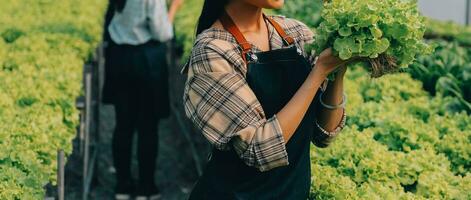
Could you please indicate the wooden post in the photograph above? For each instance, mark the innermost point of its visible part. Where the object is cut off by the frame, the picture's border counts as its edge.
(468, 12)
(60, 174)
(88, 118)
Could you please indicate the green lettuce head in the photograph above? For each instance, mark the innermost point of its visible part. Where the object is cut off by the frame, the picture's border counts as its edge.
(388, 34)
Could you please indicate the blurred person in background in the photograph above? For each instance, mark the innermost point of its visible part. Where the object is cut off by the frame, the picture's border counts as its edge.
(136, 83)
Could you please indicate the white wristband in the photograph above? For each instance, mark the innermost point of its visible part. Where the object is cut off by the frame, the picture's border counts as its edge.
(333, 107)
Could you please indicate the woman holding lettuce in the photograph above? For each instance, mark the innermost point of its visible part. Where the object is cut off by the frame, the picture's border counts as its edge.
(260, 100)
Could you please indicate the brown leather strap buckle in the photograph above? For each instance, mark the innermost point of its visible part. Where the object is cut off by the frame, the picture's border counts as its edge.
(288, 40)
(231, 27)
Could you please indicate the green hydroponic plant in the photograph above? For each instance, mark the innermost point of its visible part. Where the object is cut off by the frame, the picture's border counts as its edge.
(387, 34)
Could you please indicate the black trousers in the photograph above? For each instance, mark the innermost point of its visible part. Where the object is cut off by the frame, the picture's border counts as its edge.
(135, 113)
(136, 84)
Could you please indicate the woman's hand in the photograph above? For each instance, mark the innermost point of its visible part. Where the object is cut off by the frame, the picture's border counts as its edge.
(176, 4)
(327, 63)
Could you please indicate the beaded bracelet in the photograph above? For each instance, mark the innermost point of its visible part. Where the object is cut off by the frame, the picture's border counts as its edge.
(337, 130)
(333, 107)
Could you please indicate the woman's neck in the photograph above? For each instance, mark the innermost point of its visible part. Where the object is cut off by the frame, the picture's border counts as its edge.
(247, 17)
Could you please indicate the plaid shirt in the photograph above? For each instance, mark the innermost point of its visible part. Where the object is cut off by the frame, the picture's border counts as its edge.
(221, 104)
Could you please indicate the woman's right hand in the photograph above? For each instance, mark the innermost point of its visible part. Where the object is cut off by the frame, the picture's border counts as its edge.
(327, 63)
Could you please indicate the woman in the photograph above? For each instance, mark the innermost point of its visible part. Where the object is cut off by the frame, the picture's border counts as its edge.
(136, 84)
(252, 93)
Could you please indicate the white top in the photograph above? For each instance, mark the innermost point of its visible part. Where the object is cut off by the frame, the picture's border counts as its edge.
(141, 21)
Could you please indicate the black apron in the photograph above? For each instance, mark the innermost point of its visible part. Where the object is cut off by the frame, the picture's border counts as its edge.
(274, 76)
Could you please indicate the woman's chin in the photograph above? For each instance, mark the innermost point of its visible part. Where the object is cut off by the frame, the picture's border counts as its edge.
(277, 4)
(267, 4)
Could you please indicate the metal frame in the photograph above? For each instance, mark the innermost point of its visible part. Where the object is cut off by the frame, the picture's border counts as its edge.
(186, 133)
(184, 128)
(88, 130)
(92, 112)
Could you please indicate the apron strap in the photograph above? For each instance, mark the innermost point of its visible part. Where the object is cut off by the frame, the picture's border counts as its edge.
(245, 46)
(286, 38)
(230, 26)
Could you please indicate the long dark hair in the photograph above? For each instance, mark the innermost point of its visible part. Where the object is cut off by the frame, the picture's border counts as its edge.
(212, 10)
(118, 4)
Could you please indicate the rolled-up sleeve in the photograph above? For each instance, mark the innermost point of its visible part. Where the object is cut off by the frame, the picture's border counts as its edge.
(220, 103)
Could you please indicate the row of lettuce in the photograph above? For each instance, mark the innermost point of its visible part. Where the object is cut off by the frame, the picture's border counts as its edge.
(408, 134)
(400, 143)
(43, 46)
